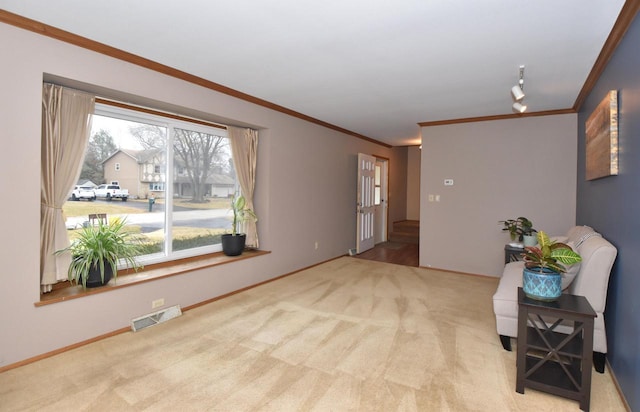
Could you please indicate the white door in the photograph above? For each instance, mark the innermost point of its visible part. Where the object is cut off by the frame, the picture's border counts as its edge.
(366, 206)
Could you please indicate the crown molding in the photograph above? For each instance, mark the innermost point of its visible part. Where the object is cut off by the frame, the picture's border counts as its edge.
(625, 18)
(496, 117)
(622, 24)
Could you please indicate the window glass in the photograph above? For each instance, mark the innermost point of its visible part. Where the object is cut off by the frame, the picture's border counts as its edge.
(376, 190)
(172, 183)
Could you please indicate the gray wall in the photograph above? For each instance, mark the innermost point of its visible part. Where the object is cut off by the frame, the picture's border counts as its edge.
(611, 206)
(305, 193)
(413, 183)
(501, 169)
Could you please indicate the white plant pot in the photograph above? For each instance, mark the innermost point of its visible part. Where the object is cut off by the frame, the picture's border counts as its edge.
(530, 240)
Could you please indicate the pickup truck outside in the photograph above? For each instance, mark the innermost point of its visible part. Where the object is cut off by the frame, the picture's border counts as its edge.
(83, 192)
(110, 192)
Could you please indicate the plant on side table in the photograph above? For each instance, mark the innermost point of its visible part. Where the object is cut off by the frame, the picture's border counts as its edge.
(520, 229)
(544, 265)
(97, 250)
(233, 243)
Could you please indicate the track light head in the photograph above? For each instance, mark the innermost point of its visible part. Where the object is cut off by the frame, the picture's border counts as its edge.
(519, 107)
(517, 93)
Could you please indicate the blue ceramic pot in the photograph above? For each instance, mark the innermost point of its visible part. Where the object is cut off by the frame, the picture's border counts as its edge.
(545, 284)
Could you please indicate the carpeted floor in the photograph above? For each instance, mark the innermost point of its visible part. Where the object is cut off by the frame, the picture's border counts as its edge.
(348, 335)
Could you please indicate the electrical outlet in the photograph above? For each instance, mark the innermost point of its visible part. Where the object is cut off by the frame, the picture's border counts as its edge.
(316, 245)
(157, 303)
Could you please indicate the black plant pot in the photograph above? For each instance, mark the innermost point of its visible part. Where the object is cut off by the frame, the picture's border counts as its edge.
(233, 245)
(95, 280)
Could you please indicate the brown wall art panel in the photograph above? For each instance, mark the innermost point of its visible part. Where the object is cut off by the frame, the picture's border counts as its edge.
(602, 138)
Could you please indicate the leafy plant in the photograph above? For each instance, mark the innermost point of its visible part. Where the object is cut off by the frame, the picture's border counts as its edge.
(240, 212)
(518, 227)
(99, 246)
(550, 255)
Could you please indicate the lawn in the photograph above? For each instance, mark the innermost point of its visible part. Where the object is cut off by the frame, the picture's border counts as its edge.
(84, 208)
(213, 203)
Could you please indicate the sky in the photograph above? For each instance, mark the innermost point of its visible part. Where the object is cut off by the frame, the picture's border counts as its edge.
(118, 129)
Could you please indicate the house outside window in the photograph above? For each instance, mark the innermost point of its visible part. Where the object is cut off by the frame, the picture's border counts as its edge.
(156, 187)
(186, 166)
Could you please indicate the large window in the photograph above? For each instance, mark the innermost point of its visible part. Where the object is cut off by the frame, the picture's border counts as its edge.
(175, 180)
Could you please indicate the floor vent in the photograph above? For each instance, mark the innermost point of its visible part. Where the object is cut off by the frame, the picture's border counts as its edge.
(155, 318)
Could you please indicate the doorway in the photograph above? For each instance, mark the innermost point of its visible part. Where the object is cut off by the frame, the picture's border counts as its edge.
(372, 202)
(381, 196)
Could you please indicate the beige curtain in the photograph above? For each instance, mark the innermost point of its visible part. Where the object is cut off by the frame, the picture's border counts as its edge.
(244, 148)
(66, 124)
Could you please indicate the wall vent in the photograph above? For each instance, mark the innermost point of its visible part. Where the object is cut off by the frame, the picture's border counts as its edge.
(155, 318)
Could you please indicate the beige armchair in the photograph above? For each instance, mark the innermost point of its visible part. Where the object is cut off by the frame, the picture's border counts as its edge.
(591, 281)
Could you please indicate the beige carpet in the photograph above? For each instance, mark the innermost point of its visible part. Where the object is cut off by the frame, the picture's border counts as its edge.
(348, 335)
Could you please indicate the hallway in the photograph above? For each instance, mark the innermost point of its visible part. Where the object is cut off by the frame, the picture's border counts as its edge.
(402, 248)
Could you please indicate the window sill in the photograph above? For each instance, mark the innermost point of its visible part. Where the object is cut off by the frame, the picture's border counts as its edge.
(66, 291)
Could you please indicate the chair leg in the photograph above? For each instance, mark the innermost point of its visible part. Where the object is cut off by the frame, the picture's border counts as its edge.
(506, 343)
(598, 361)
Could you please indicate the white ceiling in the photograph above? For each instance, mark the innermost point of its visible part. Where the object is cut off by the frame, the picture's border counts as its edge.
(374, 67)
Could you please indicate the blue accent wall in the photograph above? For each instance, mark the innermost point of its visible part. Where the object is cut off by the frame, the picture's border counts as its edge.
(611, 205)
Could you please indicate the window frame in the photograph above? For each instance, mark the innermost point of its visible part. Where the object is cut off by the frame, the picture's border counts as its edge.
(169, 121)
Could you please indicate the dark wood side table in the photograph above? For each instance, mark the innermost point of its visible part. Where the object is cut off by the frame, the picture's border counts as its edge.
(551, 361)
(512, 254)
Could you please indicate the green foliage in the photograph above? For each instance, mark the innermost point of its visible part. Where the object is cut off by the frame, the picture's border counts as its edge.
(148, 248)
(518, 227)
(550, 255)
(101, 146)
(99, 246)
(240, 212)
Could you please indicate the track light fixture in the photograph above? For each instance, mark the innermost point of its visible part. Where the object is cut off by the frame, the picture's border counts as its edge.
(517, 92)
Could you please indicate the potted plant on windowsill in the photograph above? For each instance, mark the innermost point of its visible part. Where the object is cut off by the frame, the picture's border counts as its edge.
(233, 243)
(544, 265)
(97, 250)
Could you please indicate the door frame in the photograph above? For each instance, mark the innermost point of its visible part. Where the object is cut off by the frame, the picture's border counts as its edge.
(383, 226)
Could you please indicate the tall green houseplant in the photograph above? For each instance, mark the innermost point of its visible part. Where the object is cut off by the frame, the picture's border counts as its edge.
(240, 213)
(233, 243)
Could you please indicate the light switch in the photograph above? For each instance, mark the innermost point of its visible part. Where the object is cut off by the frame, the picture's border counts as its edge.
(448, 182)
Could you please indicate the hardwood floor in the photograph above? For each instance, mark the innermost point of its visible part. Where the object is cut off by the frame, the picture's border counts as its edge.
(402, 247)
(393, 252)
